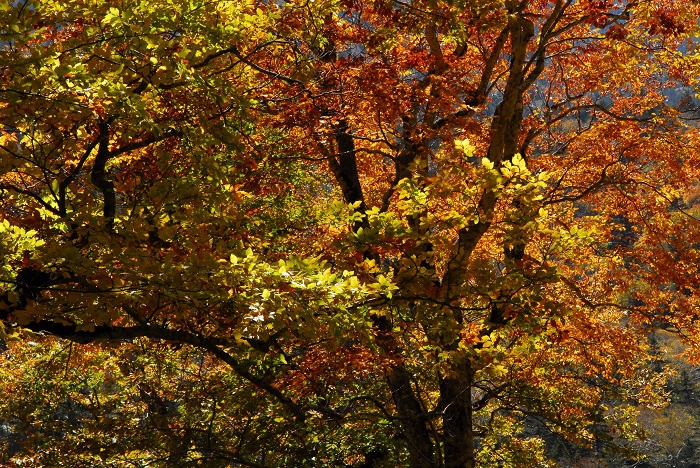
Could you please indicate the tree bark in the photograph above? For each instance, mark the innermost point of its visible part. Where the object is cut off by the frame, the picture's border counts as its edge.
(410, 412)
(457, 417)
(100, 177)
(413, 419)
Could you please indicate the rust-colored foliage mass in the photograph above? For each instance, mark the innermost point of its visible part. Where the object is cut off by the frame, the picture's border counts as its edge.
(341, 233)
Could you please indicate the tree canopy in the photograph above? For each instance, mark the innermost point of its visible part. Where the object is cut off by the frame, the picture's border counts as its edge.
(341, 232)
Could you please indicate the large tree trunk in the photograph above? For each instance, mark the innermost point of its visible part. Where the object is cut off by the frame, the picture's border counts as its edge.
(456, 404)
(413, 419)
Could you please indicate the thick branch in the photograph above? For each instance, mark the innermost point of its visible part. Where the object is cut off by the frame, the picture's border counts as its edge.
(481, 91)
(503, 125)
(100, 179)
(505, 130)
(344, 168)
(296, 409)
(145, 142)
(63, 186)
(117, 333)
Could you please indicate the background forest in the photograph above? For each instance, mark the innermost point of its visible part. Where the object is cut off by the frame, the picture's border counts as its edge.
(382, 233)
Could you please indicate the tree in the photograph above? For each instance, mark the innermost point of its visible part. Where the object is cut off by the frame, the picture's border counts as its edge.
(340, 232)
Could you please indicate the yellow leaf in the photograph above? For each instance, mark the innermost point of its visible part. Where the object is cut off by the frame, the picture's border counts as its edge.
(486, 162)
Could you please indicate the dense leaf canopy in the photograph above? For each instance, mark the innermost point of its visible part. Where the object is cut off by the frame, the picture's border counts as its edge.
(341, 233)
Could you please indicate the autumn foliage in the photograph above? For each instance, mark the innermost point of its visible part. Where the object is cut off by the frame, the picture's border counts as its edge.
(341, 233)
